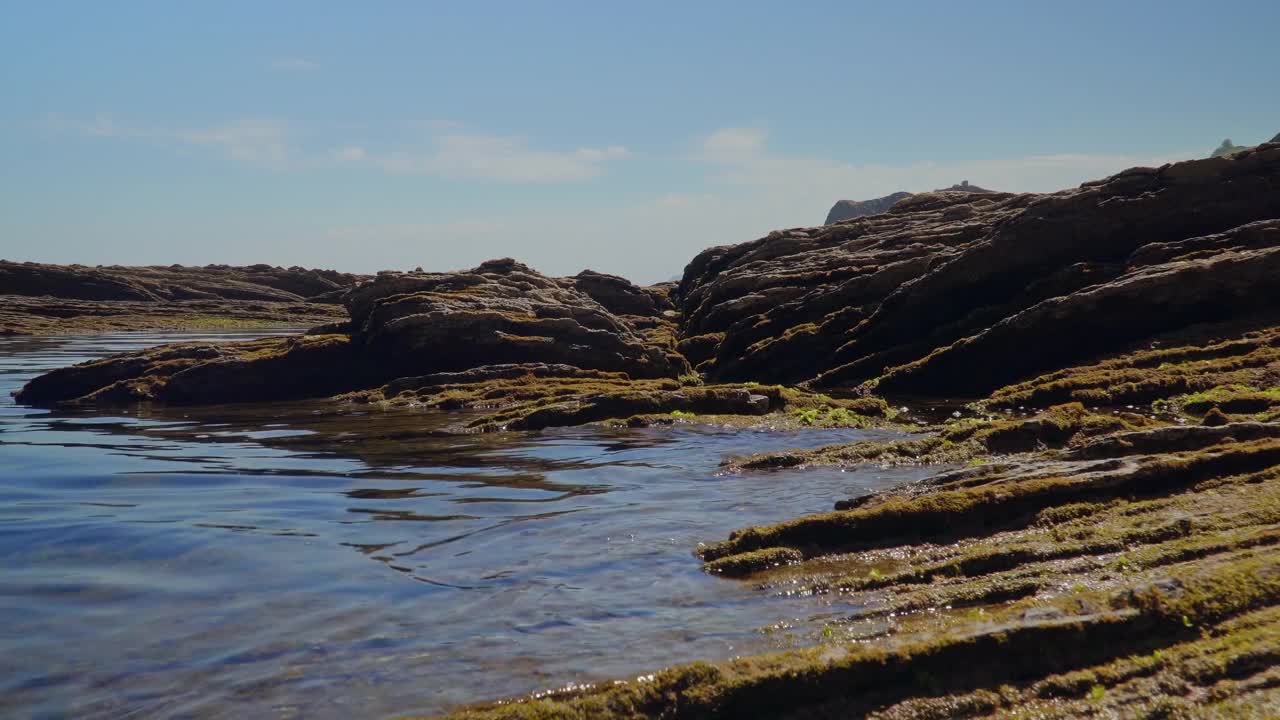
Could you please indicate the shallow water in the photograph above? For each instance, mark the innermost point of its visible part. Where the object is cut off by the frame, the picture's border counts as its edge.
(289, 559)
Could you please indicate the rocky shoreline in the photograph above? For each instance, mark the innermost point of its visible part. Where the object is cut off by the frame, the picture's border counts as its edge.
(1099, 368)
(39, 299)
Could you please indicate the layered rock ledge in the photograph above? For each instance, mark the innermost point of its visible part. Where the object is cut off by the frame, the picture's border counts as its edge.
(529, 350)
(39, 299)
(1098, 539)
(956, 294)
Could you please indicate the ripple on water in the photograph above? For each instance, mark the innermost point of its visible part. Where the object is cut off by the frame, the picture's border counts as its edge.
(300, 558)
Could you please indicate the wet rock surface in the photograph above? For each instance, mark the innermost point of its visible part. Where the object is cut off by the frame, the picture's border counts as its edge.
(1073, 561)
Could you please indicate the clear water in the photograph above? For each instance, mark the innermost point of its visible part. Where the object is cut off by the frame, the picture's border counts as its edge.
(283, 560)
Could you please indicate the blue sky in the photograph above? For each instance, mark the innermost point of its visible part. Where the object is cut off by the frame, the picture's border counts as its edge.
(622, 137)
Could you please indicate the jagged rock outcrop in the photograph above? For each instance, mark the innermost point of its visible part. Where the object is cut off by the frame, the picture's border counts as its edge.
(620, 297)
(400, 325)
(40, 298)
(24, 315)
(949, 293)
(1228, 148)
(849, 209)
(501, 311)
(959, 293)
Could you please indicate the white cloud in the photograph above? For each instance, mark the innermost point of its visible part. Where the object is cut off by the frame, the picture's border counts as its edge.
(293, 64)
(504, 159)
(253, 141)
(441, 125)
(749, 192)
(734, 144)
(102, 125)
(349, 153)
(742, 158)
(746, 190)
(456, 156)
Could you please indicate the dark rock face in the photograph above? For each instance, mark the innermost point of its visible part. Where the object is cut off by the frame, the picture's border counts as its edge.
(191, 373)
(401, 324)
(41, 299)
(958, 293)
(619, 296)
(26, 315)
(156, 284)
(499, 312)
(949, 293)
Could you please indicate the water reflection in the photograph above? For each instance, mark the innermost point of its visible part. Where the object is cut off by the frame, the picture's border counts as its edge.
(307, 558)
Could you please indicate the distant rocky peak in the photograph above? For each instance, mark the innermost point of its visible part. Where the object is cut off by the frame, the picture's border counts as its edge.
(1229, 148)
(849, 209)
(1226, 148)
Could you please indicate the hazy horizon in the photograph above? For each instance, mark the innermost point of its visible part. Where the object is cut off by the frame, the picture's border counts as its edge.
(624, 140)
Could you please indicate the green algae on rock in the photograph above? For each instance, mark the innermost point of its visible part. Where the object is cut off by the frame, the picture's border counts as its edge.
(536, 396)
(1143, 588)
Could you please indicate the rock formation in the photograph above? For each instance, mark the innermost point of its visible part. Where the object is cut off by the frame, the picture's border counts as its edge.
(849, 209)
(530, 350)
(620, 297)
(958, 293)
(1112, 495)
(1101, 372)
(501, 311)
(174, 282)
(1229, 148)
(399, 325)
(39, 298)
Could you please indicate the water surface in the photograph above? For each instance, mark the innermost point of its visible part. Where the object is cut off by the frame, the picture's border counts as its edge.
(281, 560)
